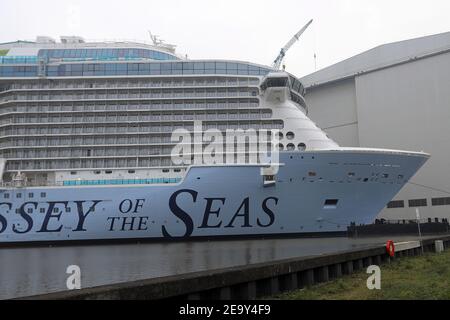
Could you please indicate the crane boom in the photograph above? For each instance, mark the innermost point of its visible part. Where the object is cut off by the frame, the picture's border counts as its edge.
(277, 63)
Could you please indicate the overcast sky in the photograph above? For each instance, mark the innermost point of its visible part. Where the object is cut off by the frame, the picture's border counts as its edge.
(246, 30)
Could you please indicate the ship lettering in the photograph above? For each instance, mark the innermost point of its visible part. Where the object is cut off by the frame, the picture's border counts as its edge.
(245, 215)
(51, 221)
(25, 217)
(82, 216)
(269, 212)
(128, 223)
(180, 213)
(3, 221)
(52, 214)
(127, 205)
(213, 209)
(209, 211)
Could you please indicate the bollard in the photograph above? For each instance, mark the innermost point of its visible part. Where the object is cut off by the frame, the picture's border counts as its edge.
(439, 246)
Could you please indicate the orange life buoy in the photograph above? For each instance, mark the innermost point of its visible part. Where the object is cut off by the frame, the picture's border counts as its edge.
(390, 248)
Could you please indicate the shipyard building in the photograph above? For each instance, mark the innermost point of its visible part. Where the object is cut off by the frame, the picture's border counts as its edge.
(394, 96)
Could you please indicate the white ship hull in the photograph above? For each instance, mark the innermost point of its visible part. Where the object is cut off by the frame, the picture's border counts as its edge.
(314, 192)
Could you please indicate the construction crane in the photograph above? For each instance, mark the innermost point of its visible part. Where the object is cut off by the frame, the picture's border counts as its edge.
(277, 63)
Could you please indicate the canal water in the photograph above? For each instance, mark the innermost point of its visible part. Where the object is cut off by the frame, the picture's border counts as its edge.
(38, 270)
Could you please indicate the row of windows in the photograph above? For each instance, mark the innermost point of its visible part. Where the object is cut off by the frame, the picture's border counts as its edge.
(89, 163)
(19, 195)
(18, 71)
(419, 203)
(96, 152)
(154, 128)
(120, 181)
(152, 68)
(18, 60)
(130, 83)
(71, 152)
(131, 171)
(135, 162)
(38, 142)
(105, 53)
(138, 117)
(296, 85)
(231, 103)
(130, 94)
(291, 147)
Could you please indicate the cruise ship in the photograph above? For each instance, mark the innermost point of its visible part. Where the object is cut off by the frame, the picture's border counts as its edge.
(87, 149)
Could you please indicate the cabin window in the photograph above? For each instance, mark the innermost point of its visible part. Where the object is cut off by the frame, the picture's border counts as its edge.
(290, 147)
(301, 146)
(275, 82)
(331, 204)
(42, 210)
(73, 173)
(43, 194)
(290, 135)
(131, 171)
(108, 171)
(280, 135)
(6, 196)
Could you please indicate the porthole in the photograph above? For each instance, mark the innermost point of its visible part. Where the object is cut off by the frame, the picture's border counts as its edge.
(290, 147)
(301, 146)
(280, 147)
(290, 135)
(279, 135)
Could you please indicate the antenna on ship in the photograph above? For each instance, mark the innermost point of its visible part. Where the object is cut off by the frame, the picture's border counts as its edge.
(277, 63)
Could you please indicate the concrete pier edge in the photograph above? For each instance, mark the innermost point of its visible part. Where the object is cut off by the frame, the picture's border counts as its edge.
(249, 281)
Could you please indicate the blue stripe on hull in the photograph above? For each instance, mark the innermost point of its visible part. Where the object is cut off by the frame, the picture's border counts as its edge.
(216, 201)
